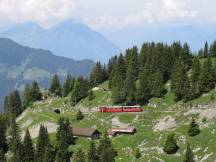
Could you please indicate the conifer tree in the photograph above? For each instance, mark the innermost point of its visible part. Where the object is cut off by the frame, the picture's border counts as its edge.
(49, 155)
(206, 50)
(195, 77)
(2, 156)
(106, 153)
(157, 85)
(14, 105)
(79, 155)
(143, 90)
(171, 146)
(3, 140)
(15, 143)
(180, 82)
(92, 155)
(97, 75)
(185, 56)
(6, 104)
(117, 82)
(189, 157)
(64, 135)
(67, 86)
(28, 148)
(194, 128)
(64, 138)
(91, 95)
(55, 87)
(75, 94)
(213, 49)
(130, 88)
(42, 142)
(207, 81)
(27, 96)
(35, 92)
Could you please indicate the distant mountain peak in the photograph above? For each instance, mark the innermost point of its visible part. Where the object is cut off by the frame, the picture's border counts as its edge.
(69, 38)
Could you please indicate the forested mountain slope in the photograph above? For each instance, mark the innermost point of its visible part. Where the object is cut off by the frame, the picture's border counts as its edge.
(20, 65)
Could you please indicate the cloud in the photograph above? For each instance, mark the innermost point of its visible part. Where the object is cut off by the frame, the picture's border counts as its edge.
(156, 11)
(41, 11)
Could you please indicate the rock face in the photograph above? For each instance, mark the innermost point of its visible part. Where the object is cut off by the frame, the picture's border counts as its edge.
(167, 123)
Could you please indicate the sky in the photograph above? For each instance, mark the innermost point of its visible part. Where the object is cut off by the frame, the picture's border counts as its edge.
(111, 15)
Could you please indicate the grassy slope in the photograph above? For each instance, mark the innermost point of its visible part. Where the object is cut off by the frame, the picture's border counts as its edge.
(145, 138)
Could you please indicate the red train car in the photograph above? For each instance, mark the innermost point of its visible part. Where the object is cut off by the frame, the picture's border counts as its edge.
(115, 109)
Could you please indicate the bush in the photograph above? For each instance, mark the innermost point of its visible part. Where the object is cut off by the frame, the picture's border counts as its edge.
(137, 153)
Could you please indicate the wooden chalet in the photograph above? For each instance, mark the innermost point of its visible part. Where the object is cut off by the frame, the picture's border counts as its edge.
(114, 131)
(86, 132)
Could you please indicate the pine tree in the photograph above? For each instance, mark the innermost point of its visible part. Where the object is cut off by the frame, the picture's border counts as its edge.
(64, 138)
(75, 94)
(97, 75)
(91, 95)
(143, 90)
(157, 85)
(207, 81)
(64, 135)
(137, 153)
(67, 86)
(117, 82)
(15, 104)
(7, 104)
(185, 56)
(189, 157)
(106, 153)
(92, 155)
(79, 155)
(55, 87)
(49, 155)
(2, 156)
(35, 92)
(79, 116)
(130, 88)
(194, 128)
(15, 143)
(206, 50)
(213, 49)
(171, 146)
(3, 128)
(195, 77)
(180, 82)
(27, 96)
(28, 148)
(42, 142)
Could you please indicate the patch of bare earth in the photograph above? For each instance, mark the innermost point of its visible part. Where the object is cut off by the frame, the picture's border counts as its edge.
(167, 123)
(117, 123)
(34, 130)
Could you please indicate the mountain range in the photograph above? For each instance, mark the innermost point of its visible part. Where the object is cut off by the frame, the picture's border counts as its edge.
(68, 38)
(194, 34)
(20, 65)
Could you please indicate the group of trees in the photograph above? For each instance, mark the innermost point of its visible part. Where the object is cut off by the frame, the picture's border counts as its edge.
(104, 152)
(31, 94)
(202, 79)
(24, 150)
(171, 146)
(137, 76)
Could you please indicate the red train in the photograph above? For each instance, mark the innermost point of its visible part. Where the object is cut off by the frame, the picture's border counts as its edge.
(113, 109)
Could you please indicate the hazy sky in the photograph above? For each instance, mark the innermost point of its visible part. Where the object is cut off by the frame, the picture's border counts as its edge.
(108, 15)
